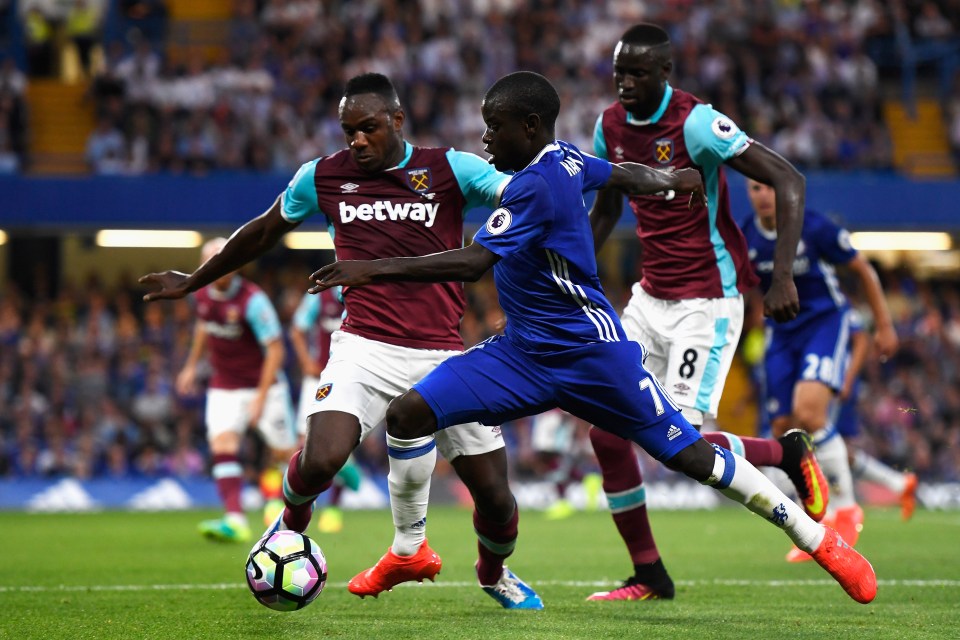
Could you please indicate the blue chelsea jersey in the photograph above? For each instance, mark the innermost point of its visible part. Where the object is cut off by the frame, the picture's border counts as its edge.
(823, 244)
(547, 274)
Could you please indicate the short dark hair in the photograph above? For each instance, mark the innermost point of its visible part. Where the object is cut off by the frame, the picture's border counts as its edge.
(645, 34)
(525, 92)
(373, 83)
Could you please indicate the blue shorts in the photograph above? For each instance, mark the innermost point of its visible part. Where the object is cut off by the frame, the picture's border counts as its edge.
(847, 420)
(604, 384)
(815, 352)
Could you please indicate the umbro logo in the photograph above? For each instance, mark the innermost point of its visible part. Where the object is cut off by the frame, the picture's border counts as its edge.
(349, 188)
(673, 432)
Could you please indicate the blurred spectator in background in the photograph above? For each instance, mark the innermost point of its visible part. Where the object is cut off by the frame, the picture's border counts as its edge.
(106, 148)
(924, 35)
(147, 18)
(38, 39)
(56, 359)
(806, 78)
(82, 27)
(798, 76)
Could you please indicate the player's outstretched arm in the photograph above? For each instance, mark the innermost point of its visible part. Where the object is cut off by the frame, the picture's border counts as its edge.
(781, 301)
(247, 243)
(457, 265)
(859, 348)
(639, 180)
(885, 336)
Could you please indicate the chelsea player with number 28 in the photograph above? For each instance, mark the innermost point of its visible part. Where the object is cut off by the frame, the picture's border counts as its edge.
(564, 345)
(805, 358)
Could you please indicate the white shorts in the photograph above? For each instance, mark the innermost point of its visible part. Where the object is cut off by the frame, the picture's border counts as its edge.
(552, 432)
(690, 345)
(308, 391)
(362, 377)
(227, 411)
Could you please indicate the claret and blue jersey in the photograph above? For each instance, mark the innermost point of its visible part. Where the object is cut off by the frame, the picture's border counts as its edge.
(688, 252)
(415, 208)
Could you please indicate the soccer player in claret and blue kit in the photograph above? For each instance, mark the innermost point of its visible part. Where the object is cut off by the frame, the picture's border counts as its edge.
(687, 306)
(239, 329)
(383, 197)
(563, 345)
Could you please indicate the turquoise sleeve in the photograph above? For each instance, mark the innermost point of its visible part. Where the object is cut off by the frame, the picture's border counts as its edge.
(480, 183)
(307, 312)
(599, 141)
(262, 318)
(711, 137)
(299, 200)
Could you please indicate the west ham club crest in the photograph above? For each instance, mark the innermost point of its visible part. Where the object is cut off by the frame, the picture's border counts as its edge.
(420, 180)
(663, 150)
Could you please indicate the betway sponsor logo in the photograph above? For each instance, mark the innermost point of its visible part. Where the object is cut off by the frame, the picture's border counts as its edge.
(425, 212)
(230, 331)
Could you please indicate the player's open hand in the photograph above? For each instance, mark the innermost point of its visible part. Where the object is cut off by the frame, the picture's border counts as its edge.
(690, 181)
(172, 285)
(781, 302)
(344, 273)
(886, 341)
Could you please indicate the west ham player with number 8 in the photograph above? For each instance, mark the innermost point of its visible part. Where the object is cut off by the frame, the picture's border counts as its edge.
(563, 345)
(687, 308)
(384, 197)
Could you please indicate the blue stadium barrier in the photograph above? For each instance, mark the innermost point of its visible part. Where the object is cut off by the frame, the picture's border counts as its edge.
(862, 201)
(57, 495)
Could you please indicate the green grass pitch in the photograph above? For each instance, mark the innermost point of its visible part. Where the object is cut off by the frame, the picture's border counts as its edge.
(149, 575)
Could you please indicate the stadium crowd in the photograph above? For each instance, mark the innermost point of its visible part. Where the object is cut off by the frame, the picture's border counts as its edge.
(803, 77)
(798, 77)
(86, 382)
(86, 377)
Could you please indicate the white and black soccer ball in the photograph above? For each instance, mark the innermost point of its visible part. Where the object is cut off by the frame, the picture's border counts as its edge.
(286, 570)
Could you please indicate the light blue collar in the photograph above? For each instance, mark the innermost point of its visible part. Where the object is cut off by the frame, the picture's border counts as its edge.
(407, 152)
(231, 291)
(667, 93)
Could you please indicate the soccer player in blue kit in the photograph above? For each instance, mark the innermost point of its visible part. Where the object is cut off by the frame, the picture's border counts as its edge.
(563, 345)
(805, 358)
(847, 422)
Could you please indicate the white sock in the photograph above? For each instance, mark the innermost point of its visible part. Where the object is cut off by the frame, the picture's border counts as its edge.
(411, 465)
(831, 452)
(781, 480)
(869, 468)
(742, 482)
(236, 519)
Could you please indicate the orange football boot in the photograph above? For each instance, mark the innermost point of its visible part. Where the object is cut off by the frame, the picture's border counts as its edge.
(392, 569)
(854, 573)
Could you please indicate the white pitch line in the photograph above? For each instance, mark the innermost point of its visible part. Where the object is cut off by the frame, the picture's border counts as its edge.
(223, 586)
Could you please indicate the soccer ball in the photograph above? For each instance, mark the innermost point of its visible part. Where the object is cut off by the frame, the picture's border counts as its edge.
(286, 570)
